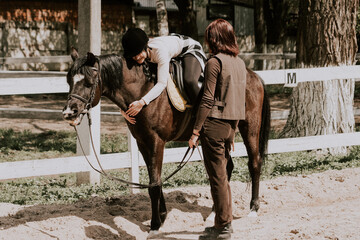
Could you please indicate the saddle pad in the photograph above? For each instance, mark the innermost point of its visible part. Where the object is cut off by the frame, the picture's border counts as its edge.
(176, 99)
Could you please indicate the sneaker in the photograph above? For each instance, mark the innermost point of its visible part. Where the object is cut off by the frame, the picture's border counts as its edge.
(214, 233)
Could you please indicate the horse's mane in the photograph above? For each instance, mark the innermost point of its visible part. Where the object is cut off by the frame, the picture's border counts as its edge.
(111, 67)
(80, 66)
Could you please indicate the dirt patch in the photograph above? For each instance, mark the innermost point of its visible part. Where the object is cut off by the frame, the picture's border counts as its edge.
(318, 206)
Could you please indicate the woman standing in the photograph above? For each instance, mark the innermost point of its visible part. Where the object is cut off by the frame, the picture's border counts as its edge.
(222, 106)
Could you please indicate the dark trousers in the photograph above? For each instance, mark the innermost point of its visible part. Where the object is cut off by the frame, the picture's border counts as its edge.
(215, 138)
(192, 72)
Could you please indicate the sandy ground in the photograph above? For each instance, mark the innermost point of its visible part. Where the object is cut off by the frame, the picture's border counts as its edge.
(318, 206)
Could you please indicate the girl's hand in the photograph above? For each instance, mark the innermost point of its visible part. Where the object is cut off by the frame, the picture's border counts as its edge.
(135, 107)
(127, 117)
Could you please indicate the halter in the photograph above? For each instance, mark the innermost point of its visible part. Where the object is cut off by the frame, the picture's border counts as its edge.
(88, 103)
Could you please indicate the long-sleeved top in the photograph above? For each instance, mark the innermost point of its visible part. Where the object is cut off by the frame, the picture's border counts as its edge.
(162, 50)
(212, 70)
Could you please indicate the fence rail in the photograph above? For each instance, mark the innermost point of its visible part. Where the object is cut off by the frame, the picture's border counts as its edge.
(67, 59)
(43, 83)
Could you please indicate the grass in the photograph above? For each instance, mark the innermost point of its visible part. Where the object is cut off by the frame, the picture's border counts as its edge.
(25, 145)
(63, 189)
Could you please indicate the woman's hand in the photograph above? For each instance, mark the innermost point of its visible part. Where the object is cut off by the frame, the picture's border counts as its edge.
(135, 107)
(232, 144)
(193, 141)
(127, 117)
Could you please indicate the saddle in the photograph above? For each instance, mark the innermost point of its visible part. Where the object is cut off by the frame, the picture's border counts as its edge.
(175, 87)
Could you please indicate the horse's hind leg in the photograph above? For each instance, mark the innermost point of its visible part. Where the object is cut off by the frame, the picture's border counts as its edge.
(250, 133)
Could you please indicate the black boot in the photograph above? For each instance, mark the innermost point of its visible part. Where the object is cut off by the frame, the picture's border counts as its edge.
(215, 233)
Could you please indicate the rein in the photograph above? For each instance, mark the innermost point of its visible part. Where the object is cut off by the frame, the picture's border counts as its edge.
(125, 182)
(88, 106)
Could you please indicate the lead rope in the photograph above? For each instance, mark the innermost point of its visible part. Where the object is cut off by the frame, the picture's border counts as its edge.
(128, 183)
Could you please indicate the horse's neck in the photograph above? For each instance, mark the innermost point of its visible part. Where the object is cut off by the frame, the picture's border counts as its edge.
(135, 83)
(133, 86)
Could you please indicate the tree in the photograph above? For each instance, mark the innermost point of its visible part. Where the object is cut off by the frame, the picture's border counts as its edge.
(260, 31)
(276, 12)
(162, 18)
(326, 37)
(188, 16)
(271, 19)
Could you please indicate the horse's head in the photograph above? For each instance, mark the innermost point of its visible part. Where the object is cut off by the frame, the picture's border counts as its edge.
(85, 87)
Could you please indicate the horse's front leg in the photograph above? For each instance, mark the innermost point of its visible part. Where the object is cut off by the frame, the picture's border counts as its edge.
(153, 156)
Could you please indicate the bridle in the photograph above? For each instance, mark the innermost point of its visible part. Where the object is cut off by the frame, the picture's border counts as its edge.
(89, 102)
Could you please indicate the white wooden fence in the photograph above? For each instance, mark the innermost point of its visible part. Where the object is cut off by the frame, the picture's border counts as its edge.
(43, 83)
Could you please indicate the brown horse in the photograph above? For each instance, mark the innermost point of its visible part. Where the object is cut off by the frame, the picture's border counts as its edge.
(91, 77)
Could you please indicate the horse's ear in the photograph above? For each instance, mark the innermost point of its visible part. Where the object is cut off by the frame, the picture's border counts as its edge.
(74, 54)
(91, 59)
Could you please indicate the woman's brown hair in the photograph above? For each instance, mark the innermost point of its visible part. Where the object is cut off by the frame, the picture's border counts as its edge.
(221, 38)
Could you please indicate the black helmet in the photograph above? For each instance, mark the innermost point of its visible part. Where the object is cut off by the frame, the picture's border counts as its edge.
(134, 41)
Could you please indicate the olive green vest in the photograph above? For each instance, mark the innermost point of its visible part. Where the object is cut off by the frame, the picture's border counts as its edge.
(230, 89)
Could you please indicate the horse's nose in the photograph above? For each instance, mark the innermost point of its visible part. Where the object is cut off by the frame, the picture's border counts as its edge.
(68, 113)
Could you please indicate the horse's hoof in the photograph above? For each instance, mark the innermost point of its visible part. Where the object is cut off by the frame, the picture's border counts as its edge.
(211, 218)
(253, 214)
(154, 234)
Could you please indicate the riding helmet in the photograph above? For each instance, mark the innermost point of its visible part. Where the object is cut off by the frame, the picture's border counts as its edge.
(134, 41)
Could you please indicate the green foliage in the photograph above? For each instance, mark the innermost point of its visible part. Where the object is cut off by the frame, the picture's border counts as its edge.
(56, 190)
(26, 145)
(63, 189)
(112, 143)
(27, 141)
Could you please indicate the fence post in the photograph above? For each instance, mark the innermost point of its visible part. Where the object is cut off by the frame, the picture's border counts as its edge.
(89, 27)
(92, 176)
(134, 156)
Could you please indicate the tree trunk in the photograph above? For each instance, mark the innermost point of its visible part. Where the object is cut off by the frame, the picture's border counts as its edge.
(188, 26)
(275, 12)
(162, 18)
(326, 37)
(260, 31)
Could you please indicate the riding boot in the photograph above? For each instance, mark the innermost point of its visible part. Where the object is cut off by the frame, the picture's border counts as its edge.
(192, 73)
(216, 233)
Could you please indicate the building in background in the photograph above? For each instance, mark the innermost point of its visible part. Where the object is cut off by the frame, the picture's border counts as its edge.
(145, 16)
(47, 28)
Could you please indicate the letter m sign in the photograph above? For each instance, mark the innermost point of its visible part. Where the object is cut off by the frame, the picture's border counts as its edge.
(290, 79)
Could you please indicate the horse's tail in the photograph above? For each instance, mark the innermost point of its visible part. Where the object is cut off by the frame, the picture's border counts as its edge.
(265, 124)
